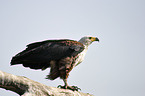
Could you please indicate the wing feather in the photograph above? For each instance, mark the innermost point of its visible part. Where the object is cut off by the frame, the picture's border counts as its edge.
(38, 55)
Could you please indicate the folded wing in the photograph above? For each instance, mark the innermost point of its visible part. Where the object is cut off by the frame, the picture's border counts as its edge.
(39, 55)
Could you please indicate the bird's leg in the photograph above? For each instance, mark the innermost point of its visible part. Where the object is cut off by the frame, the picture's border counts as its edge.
(74, 88)
(65, 83)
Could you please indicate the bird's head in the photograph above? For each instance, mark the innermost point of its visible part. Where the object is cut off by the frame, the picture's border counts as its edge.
(87, 40)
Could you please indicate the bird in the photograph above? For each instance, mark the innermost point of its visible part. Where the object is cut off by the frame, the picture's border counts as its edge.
(60, 55)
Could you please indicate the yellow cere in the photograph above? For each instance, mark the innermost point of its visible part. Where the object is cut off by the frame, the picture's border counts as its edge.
(93, 38)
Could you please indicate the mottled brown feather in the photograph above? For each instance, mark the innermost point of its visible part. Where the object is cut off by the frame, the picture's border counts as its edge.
(40, 55)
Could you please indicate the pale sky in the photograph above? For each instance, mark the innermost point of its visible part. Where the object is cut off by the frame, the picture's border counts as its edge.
(113, 67)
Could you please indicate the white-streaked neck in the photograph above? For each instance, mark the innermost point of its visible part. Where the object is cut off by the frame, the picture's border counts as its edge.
(85, 42)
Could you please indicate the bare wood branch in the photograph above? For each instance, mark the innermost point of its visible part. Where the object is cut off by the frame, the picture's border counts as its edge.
(27, 87)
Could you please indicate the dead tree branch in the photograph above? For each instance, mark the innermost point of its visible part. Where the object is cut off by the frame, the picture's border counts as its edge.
(26, 87)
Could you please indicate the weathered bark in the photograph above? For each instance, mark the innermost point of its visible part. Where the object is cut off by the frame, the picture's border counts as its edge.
(26, 87)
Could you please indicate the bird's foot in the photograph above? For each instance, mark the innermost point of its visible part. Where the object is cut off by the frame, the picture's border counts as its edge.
(73, 88)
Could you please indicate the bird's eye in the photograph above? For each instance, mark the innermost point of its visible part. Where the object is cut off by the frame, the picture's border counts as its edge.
(90, 37)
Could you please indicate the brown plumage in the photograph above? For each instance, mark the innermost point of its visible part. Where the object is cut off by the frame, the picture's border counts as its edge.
(60, 55)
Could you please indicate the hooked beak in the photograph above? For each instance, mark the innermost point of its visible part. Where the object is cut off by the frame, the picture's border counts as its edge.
(97, 39)
(94, 39)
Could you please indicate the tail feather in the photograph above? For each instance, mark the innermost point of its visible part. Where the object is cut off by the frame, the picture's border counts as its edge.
(52, 76)
(54, 73)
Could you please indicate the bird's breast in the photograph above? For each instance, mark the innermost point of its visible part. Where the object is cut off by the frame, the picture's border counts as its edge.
(80, 57)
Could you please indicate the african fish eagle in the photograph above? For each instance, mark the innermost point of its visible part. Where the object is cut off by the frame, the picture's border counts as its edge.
(60, 55)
